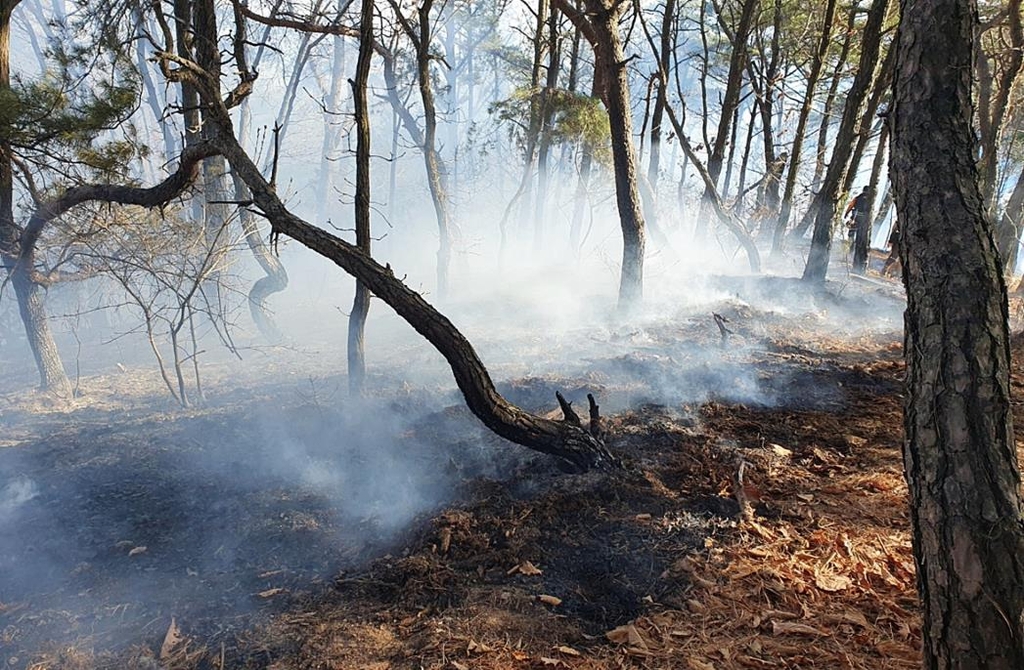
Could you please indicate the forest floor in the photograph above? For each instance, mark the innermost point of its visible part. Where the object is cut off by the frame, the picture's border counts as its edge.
(271, 528)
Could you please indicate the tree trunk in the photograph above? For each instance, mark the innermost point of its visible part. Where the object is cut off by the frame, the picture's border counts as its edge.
(959, 452)
(1008, 228)
(876, 175)
(627, 194)
(726, 181)
(821, 148)
(576, 448)
(332, 128)
(823, 206)
(868, 126)
(546, 117)
(733, 83)
(993, 107)
(18, 256)
(654, 165)
(436, 178)
(786, 207)
(361, 302)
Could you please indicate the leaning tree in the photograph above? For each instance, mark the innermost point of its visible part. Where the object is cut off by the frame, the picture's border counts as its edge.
(575, 445)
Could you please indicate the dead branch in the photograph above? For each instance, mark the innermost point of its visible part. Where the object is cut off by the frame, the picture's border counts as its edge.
(567, 411)
(720, 321)
(577, 449)
(595, 417)
(739, 488)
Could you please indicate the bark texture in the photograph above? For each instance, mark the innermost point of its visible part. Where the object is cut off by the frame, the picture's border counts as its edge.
(959, 450)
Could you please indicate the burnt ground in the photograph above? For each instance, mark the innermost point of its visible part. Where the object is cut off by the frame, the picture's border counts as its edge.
(284, 526)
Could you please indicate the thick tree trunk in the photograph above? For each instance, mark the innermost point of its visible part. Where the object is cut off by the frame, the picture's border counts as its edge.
(32, 308)
(361, 302)
(823, 207)
(959, 451)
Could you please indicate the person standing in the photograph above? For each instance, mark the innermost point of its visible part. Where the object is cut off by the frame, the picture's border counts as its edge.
(859, 211)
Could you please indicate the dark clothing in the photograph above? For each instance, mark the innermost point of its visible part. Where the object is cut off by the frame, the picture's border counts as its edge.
(861, 205)
(860, 208)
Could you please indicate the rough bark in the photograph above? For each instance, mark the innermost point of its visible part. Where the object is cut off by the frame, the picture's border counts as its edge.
(959, 451)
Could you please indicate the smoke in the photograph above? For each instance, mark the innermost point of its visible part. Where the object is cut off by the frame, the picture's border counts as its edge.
(14, 495)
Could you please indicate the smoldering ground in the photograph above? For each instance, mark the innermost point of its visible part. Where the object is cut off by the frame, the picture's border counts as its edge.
(117, 516)
(110, 527)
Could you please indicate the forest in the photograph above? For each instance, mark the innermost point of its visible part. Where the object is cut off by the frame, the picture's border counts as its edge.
(511, 334)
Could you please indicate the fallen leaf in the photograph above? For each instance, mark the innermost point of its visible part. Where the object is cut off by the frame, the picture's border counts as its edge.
(172, 641)
(549, 600)
(855, 440)
(700, 665)
(475, 647)
(520, 656)
(137, 550)
(853, 616)
(551, 661)
(459, 666)
(529, 569)
(568, 651)
(270, 593)
(643, 517)
(628, 635)
(445, 539)
(793, 628)
(780, 450)
(831, 582)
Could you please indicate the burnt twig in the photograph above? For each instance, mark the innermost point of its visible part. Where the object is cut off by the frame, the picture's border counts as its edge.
(567, 411)
(595, 417)
(746, 508)
(720, 321)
